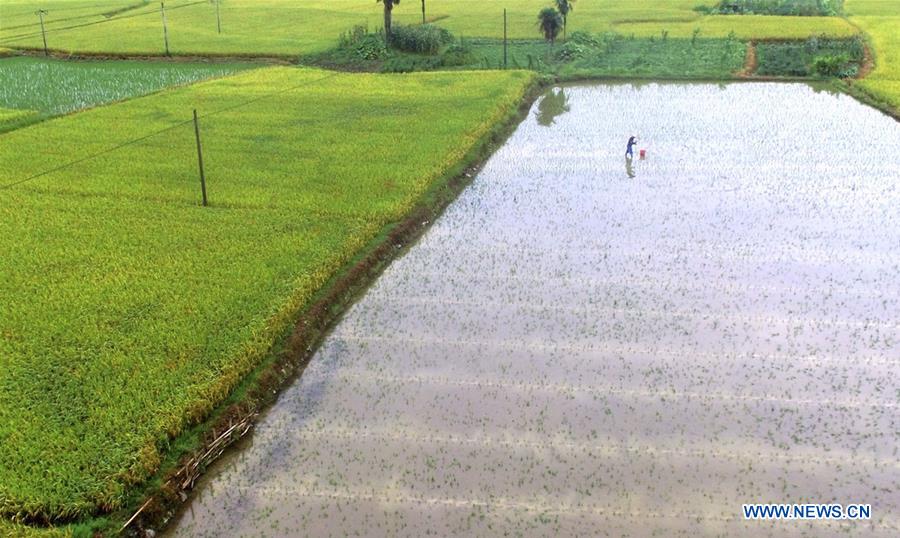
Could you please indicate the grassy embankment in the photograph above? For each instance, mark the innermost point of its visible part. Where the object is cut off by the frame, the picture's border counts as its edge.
(286, 28)
(134, 311)
(583, 56)
(32, 89)
(881, 21)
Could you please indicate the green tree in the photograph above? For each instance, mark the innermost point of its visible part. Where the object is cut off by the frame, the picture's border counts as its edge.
(550, 23)
(565, 7)
(388, 8)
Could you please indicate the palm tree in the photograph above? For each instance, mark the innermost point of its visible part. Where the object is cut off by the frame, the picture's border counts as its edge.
(388, 7)
(564, 7)
(550, 23)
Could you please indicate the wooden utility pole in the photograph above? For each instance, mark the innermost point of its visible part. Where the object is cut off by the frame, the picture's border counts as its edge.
(423, 11)
(505, 46)
(41, 13)
(162, 9)
(200, 158)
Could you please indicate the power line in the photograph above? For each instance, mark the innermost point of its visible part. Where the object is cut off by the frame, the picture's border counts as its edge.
(19, 37)
(64, 19)
(8, 186)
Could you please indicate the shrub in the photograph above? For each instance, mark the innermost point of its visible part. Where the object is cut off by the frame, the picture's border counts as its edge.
(571, 51)
(584, 39)
(458, 54)
(830, 65)
(372, 48)
(421, 39)
(363, 44)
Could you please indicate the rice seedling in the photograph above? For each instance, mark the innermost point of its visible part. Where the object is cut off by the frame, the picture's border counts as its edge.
(570, 349)
(131, 311)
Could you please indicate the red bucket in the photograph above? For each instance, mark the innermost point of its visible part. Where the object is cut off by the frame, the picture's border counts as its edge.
(643, 154)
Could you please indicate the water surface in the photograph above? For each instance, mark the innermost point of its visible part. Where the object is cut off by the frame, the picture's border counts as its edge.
(585, 345)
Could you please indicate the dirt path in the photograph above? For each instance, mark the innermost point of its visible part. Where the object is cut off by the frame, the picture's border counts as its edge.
(750, 63)
(868, 63)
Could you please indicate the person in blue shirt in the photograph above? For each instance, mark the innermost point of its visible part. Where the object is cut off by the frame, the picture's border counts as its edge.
(631, 143)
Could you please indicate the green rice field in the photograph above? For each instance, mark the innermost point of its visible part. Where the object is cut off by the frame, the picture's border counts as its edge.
(37, 88)
(881, 21)
(133, 310)
(281, 27)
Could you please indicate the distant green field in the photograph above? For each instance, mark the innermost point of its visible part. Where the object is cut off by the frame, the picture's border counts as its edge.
(283, 27)
(36, 88)
(129, 310)
(881, 20)
(747, 27)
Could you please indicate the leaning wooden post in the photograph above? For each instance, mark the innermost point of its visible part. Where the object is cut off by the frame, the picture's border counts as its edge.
(505, 46)
(162, 8)
(41, 13)
(200, 157)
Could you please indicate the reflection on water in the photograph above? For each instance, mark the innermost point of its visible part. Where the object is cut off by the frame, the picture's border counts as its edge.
(566, 353)
(553, 104)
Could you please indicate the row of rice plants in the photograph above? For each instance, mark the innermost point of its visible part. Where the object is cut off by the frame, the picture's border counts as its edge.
(133, 311)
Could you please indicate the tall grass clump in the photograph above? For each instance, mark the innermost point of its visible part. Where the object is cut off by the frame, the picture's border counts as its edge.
(421, 39)
(363, 44)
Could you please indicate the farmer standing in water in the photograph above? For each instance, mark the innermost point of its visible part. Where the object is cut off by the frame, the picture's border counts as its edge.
(631, 143)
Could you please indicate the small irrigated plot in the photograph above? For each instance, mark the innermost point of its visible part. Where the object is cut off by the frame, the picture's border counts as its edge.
(589, 345)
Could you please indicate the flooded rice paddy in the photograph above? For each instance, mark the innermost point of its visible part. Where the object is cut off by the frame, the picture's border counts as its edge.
(584, 345)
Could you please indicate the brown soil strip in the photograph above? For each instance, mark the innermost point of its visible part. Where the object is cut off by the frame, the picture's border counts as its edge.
(751, 62)
(868, 63)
